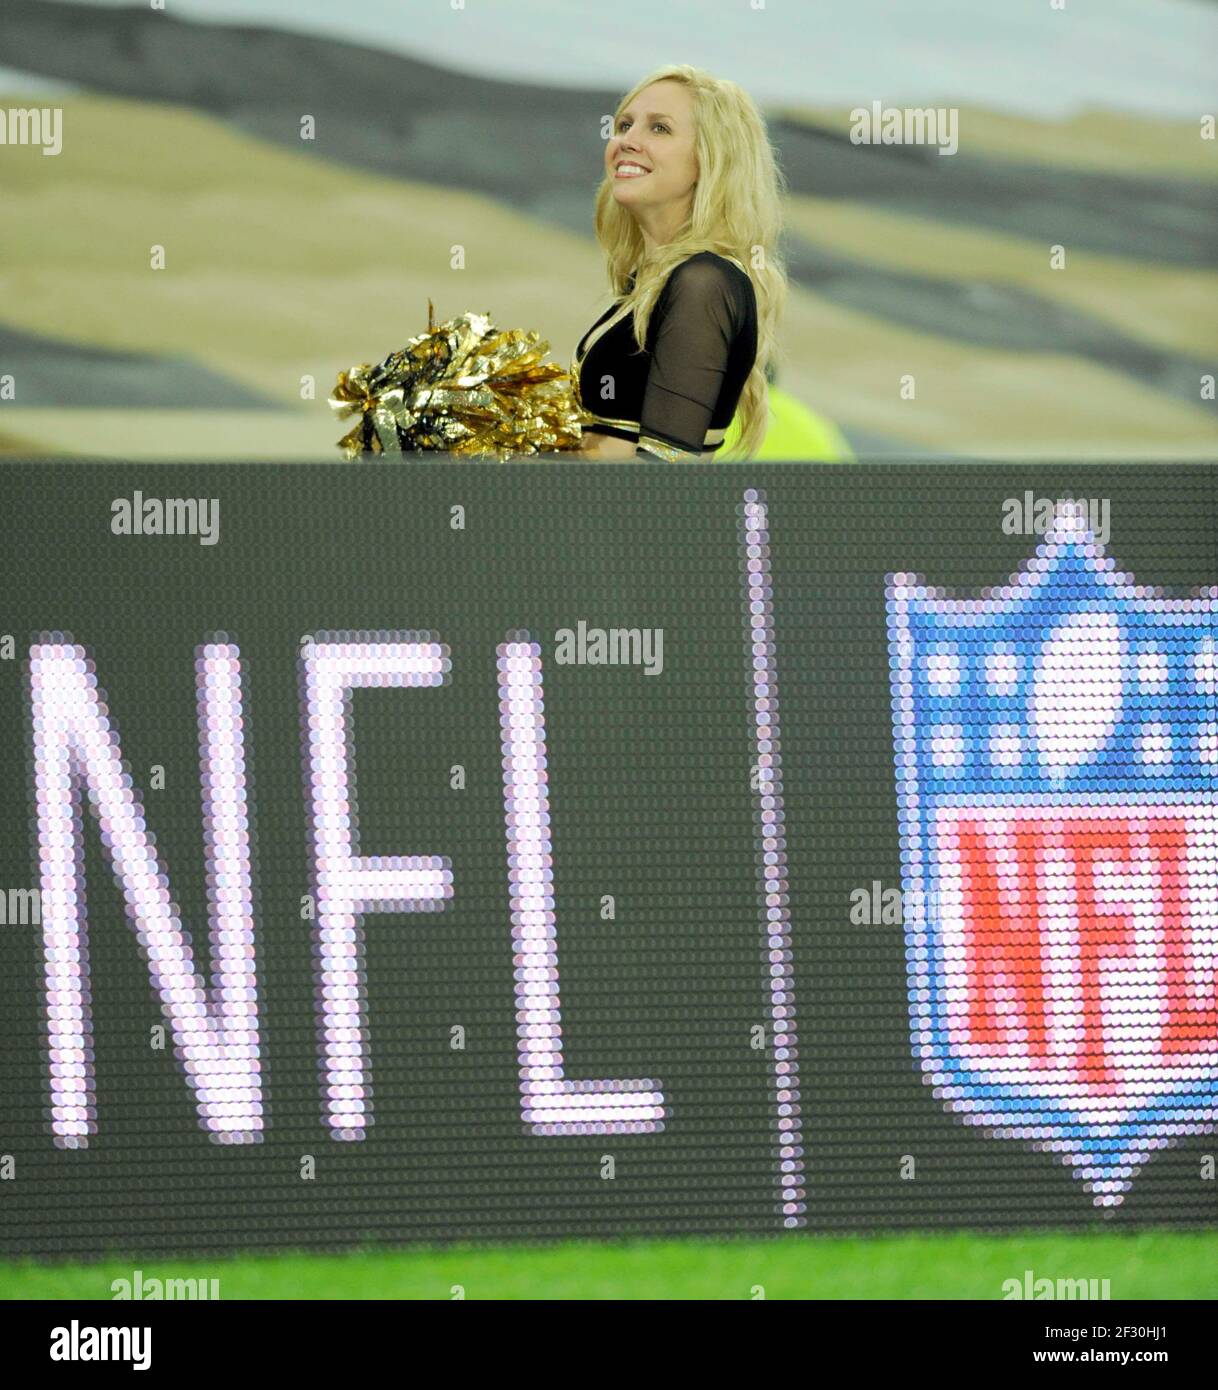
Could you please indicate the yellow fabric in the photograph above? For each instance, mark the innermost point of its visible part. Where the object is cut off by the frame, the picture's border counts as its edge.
(796, 434)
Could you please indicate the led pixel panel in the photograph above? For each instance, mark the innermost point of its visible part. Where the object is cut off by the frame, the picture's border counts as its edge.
(1059, 810)
(453, 852)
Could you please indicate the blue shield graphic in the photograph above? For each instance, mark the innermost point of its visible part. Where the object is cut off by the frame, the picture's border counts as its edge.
(1056, 746)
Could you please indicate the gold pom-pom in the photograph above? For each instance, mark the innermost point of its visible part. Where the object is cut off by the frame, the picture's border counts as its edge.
(463, 388)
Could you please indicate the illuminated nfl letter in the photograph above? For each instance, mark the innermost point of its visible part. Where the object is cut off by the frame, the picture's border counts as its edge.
(1057, 777)
(347, 884)
(77, 753)
(550, 1102)
(769, 820)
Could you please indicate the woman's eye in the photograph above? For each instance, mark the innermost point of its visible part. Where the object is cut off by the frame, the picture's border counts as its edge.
(660, 126)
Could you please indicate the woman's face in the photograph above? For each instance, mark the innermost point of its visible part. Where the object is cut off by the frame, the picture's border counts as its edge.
(654, 134)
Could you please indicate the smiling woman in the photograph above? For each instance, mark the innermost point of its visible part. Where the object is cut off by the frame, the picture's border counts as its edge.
(689, 215)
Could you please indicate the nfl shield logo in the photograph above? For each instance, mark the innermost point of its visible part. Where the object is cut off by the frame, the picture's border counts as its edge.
(1057, 777)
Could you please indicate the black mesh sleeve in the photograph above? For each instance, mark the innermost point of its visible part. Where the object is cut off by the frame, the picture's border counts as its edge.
(692, 329)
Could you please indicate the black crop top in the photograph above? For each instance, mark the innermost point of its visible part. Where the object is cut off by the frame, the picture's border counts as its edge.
(677, 397)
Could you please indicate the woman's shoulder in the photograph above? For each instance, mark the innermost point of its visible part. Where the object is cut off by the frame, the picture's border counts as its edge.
(708, 276)
(710, 268)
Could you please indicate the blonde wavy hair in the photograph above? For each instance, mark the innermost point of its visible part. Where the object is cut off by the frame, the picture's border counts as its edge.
(736, 212)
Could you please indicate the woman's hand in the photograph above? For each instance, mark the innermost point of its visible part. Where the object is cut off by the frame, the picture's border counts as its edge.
(594, 445)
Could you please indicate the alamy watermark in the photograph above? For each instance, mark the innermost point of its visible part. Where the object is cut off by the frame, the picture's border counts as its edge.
(1030, 515)
(906, 125)
(77, 1343)
(1030, 1287)
(166, 516)
(583, 645)
(150, 1290)
(20, 907)
(874, 905)
(32, 125)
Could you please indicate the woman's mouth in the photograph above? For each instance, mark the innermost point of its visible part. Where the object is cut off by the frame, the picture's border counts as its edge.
(626, 170)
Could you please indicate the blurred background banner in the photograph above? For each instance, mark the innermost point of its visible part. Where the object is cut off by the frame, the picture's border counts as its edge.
(235, 199)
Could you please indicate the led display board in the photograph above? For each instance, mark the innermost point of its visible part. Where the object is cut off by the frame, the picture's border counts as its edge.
(417, 852)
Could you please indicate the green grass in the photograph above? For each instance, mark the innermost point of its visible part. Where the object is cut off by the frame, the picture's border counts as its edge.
(957, 1266)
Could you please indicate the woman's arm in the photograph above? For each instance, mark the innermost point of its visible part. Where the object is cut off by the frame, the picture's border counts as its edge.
(694, 324)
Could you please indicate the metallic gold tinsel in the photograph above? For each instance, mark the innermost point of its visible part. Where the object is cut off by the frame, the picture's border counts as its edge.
(461, 388)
